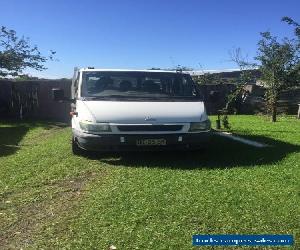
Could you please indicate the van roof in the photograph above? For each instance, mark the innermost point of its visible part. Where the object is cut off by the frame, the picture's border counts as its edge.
(132, 70)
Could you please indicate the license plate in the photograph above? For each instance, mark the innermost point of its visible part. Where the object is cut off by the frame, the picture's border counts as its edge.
(151, 142)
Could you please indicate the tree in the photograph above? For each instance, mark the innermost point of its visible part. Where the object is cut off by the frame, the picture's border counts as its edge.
(290, 21)
(279, 65)
(16, 54)
(294, 74)
(245, 66)
(239, 95)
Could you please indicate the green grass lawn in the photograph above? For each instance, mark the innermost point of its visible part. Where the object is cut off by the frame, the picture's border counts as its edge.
(52, 199)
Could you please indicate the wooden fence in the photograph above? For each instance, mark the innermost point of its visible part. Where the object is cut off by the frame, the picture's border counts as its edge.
(33, 99)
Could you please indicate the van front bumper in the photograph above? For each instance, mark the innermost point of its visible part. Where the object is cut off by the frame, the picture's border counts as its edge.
(120, 142)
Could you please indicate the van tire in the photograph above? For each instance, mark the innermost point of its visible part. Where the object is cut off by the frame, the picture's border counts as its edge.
(75, 148)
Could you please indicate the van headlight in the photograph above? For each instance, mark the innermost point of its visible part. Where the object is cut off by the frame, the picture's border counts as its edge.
(94, 127)
(200, 126)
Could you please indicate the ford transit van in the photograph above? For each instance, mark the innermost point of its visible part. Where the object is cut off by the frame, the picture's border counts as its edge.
(136, 109)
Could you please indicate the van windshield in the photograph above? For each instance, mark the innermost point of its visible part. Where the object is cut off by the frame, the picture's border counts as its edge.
(138, 86)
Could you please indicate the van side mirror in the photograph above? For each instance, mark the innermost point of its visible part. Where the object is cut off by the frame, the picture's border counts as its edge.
(58, 94)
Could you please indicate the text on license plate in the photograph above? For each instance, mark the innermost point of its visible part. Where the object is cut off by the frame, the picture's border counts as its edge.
(151, 142)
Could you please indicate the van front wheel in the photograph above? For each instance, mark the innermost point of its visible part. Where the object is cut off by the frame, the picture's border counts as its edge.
(75, 148)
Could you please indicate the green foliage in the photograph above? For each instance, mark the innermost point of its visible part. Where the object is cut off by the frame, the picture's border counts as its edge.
(236, 99)
(279, 65)
(208, 78)
(277, 60)
(290, 21)
(294, 73)
(16, 54)
(225, 122)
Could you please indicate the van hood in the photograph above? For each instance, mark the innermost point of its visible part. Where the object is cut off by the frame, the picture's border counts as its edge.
(142, 112)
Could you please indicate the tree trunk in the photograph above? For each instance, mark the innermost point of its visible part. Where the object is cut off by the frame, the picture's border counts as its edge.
(274, 112)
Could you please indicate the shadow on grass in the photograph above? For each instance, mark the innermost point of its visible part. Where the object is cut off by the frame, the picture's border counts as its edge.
(219, 153)
(13, 132)
(10, 138)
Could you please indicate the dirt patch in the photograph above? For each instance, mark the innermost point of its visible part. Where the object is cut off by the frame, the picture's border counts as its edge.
(56, 200)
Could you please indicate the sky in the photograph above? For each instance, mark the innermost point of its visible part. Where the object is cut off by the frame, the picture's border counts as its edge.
(146, 33)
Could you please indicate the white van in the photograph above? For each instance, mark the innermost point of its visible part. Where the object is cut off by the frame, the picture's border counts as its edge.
(136, 109)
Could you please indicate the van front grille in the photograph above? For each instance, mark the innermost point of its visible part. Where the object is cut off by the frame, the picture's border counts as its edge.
(131, 128)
